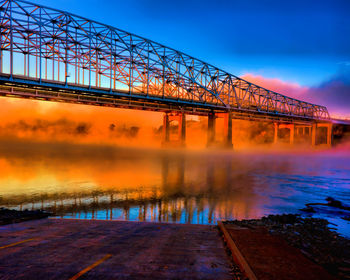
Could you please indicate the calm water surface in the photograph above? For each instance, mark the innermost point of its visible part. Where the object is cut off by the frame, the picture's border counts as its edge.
(94, 182)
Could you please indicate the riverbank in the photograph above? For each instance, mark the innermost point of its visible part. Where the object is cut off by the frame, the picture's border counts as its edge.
(313, 237)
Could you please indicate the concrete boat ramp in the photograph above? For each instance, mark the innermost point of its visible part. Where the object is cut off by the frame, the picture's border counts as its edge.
(85, 249)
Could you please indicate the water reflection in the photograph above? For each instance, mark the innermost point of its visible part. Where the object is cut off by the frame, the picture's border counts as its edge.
(94, 182)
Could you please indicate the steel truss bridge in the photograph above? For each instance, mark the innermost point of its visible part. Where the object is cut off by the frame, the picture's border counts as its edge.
(48, 54)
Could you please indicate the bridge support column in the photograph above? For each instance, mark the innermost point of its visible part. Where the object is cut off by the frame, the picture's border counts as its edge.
(302, 131)
(329, 135)
(227, 140)
(275, 135)
(299, 130)
(211, 130)
(308, 130)
(166, 129)
(228, 130)
(313, 134)
(291, 134)
(181, 131)
(291, 131)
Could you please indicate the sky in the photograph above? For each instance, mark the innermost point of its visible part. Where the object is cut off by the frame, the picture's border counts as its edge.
(299, 44)
(300, 41)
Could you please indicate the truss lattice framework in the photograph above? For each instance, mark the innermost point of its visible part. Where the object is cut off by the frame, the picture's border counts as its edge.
(47, 44)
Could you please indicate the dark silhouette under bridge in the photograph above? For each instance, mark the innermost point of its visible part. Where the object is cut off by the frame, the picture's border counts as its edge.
(48, 54)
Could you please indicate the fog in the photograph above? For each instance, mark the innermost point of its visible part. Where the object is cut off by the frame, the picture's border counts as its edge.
(46, 122)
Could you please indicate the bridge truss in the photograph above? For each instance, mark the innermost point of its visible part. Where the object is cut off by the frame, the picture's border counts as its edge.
(49, 51)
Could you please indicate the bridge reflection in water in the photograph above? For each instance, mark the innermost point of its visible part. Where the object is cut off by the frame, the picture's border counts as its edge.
(94, 182)
(163, 187)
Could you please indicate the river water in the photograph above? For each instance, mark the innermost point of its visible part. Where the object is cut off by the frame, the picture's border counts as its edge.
(97, 182)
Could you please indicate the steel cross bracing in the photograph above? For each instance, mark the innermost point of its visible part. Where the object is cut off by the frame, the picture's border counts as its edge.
(44, 45)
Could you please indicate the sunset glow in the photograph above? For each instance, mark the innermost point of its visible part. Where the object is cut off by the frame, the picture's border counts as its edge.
(174, 139)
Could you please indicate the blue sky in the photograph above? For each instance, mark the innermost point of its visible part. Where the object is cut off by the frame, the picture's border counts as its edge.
(305, 42)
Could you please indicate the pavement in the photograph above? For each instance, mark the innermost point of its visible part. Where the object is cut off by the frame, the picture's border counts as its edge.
(92, 249)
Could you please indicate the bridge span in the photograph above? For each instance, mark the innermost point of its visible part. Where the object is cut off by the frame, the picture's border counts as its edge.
(48, 54)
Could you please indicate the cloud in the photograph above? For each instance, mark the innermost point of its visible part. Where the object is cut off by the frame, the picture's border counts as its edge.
(333, 93)
(287, 88)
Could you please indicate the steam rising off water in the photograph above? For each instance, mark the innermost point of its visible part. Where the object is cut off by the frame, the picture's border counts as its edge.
(104, 182)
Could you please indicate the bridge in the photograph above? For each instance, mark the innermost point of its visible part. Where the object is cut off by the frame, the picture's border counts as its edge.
(48, 54)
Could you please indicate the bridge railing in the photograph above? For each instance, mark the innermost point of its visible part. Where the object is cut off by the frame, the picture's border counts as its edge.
(47, 44)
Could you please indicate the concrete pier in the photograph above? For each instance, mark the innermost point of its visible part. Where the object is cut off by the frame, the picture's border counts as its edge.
(211, 130)
(166, 129)
(301, 131)
(291, 128)
(315, 134)
(227, 130)
(329, 133)
(275, 135)
(180, 140)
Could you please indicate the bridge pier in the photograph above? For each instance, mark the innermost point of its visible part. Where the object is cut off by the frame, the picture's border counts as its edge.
(329, 133)
(166, 129)
(302, 131)
(275, 135)
(228, 130)
(181, 130)
(306, 130)
(211, 130)
(227, 140)
(313, 134)
(291, 128)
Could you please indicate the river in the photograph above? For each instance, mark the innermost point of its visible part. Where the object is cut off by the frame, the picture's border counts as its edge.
(200, 186)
